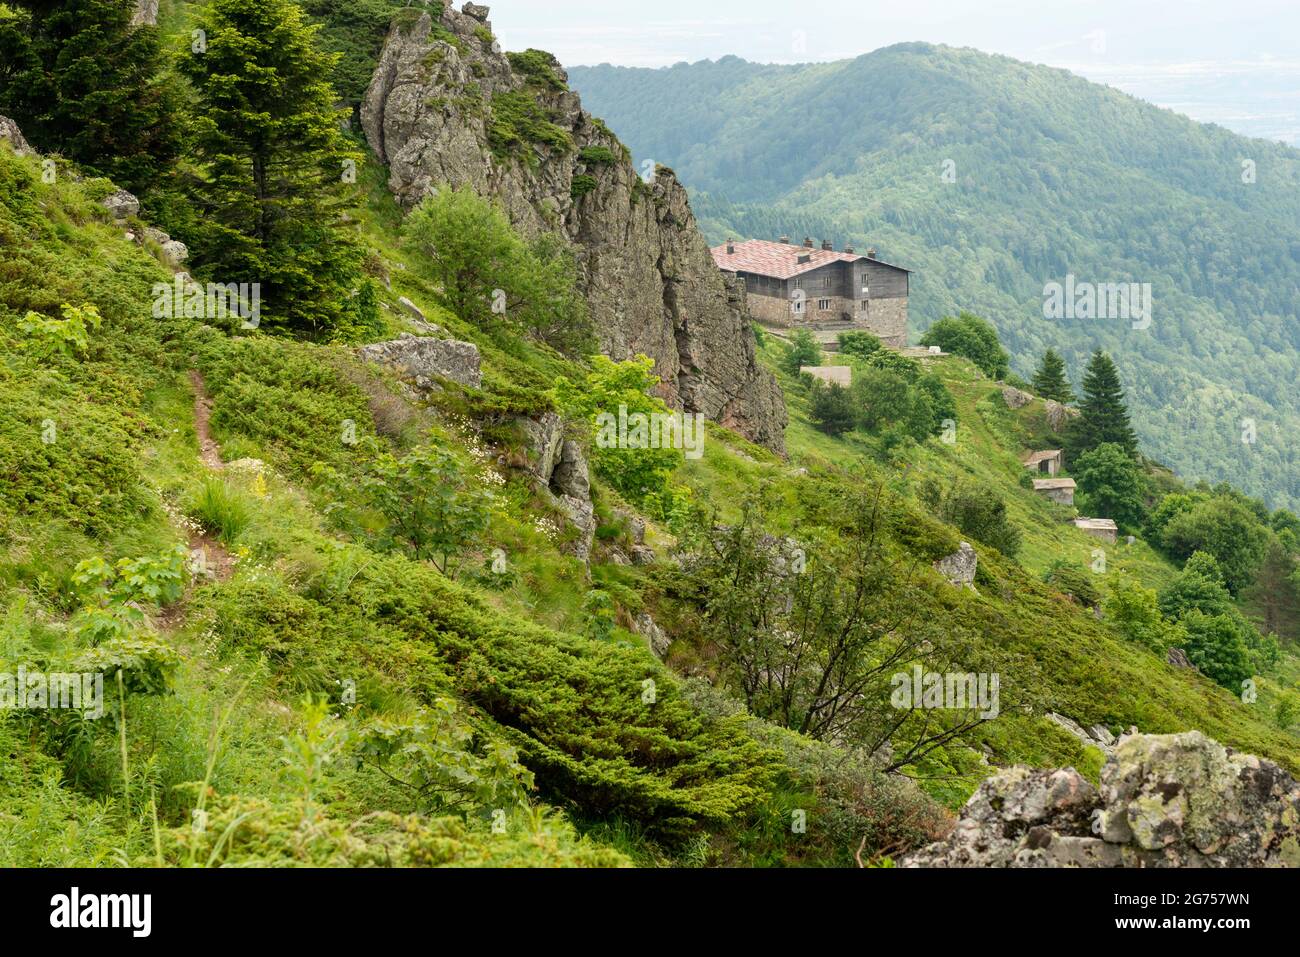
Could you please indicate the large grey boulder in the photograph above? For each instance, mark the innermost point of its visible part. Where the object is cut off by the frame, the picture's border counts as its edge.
(1175, 800)
(121, 204)
(644, 268)
(11, 134)
(422, 359)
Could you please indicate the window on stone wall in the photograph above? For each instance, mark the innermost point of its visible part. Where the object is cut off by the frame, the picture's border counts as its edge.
(824, 305)
(864, 305)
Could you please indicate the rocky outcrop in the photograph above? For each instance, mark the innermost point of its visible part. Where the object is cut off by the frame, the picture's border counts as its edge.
(559, 469)
(659, 640)
(645, 270)
(1177, 800)
(173, 250)
(1015, 398)
(1098, 736)
(11, 134)
(1178, 658)
(422, 359)
(960, 567)
(146, 13)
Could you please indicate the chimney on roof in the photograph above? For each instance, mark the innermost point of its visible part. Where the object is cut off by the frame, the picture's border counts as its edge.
(805, 258)
(731, 248)
(871, 253)
(828, 246)
(807, 242)
(785, 240)
(849, 250)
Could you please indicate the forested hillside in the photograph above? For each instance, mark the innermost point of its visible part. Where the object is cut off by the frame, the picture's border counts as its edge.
(365, 582)
(992, 178)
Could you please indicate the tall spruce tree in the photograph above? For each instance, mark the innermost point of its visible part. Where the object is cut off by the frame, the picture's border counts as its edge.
(83, 82)
(1050, 381)
(275, 168)
(1104, 415)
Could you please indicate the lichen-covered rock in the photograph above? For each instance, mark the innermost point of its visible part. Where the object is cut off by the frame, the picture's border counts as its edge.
(644, 268)
(175, 251)
(1176, 800)
(11, 134)
(421, 359)
(1178, 658)
(122, 205)
(960, 567)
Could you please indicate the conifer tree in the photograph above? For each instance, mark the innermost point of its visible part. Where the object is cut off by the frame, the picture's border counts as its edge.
(1050, 381)
(1104, 415)
(83, 82)
(276, 168)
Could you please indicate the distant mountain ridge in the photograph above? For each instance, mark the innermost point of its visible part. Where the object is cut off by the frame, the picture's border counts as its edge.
(993, 178)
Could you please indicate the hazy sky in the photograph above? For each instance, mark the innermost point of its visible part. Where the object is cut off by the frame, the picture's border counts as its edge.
(1233, 63)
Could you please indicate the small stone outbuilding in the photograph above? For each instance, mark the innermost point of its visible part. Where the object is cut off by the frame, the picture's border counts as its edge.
(1102, 528)
(1059, 490)
(1048, 462)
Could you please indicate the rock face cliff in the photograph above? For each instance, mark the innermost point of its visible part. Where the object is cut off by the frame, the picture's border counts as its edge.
(447, 106)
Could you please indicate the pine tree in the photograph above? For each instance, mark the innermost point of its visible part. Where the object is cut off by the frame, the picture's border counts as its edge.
(1104, 415)
(276, 168)
(1050, 381)
(82, 82)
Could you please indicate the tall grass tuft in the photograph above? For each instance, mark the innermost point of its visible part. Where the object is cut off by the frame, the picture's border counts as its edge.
(222, 510)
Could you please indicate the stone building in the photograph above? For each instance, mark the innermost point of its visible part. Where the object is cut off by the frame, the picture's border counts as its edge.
(1059, 490)
(823, 289)
(1048, 462)
(1103, 528)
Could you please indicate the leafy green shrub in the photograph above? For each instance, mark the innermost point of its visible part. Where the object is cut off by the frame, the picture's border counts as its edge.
(489, 275)
(970, 336)
(435, 755)
(860, 344)
(597, 156)
(611, 391)
(977, 510)
(430, 505)
(582, 185)
(44, 337)
(112, 597)
(1218, 646)
(804, 351)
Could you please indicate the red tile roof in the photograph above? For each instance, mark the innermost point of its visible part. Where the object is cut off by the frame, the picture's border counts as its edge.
(779, 260)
